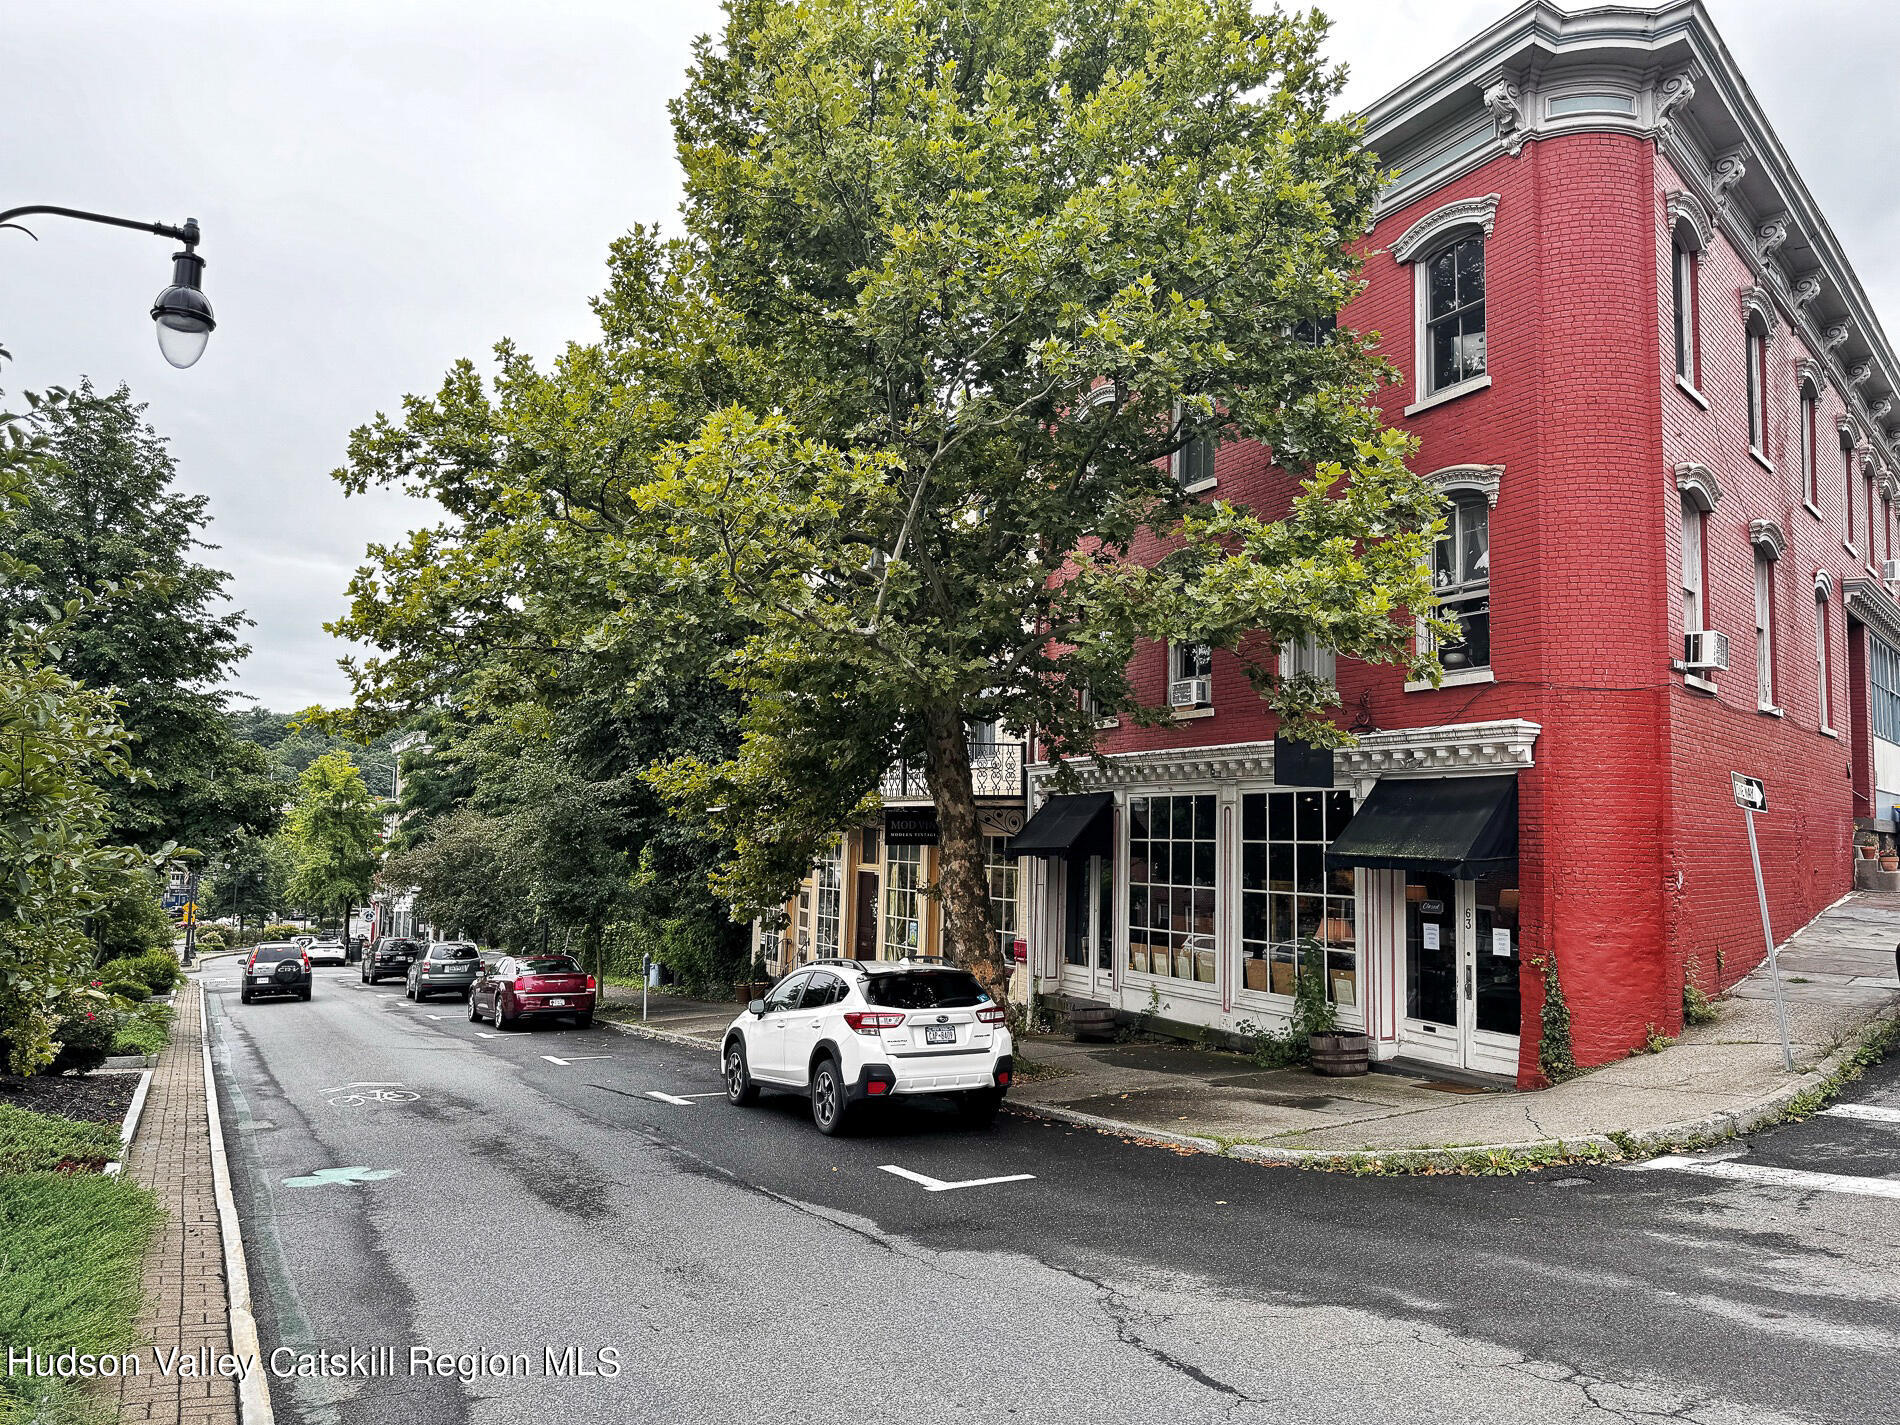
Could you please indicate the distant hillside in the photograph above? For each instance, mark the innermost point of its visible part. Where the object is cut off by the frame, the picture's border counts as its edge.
(295, 750)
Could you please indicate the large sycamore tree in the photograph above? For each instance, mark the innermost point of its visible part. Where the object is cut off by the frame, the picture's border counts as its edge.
(882, 440)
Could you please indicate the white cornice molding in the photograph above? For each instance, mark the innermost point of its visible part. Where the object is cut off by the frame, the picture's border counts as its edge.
(1766, 536)
(1698, 482)
(1502, 746)
(1869, 602)
(1486, 479)
(1443, 222)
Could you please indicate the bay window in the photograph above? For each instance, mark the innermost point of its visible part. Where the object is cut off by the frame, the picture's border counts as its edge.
(1173, 874)
(1291, 904)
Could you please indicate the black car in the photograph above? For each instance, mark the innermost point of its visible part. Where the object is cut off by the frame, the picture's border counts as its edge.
(276, 969)
(389, 958)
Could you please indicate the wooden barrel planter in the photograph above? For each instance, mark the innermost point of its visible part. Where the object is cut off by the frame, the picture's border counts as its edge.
(1091, 1022)
(1341, 1054)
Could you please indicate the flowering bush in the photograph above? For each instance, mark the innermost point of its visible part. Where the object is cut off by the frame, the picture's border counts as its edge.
(84, 1029)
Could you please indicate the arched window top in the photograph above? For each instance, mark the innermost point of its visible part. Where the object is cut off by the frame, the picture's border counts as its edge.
(1475, 480)
(1463, 218)
(1767, 538)
(1689, 224)
(1698, 486)
(1849, 429)
(1758, 312)
(1807, 378)
(1823, 586)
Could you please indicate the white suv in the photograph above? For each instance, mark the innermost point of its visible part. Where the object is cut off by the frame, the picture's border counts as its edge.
(850, 1030)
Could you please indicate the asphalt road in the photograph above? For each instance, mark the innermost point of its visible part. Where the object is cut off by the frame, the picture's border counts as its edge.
(743, 1268)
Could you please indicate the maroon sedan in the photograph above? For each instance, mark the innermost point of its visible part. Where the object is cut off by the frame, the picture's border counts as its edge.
(518, 987)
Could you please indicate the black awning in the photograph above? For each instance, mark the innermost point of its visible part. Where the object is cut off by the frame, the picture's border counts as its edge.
(1068, 826)
(1464, 827)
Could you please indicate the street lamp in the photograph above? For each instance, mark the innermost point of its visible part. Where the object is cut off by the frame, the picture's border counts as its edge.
(183, 315)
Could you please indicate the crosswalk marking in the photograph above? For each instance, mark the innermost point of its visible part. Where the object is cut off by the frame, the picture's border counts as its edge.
(1870, 1112)
(1796, 1178)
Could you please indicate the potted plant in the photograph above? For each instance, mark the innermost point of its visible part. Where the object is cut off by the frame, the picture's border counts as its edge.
(1889, 860)
(1336, 1053)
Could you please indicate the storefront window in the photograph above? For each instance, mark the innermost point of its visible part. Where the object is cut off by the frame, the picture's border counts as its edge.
(1171, 883)
(828, 881)
(1499, 955)
(1000, 869)
(1287, 894)
(903, 901)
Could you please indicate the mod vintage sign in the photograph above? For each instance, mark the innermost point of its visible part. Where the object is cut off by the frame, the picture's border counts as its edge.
(911, 826)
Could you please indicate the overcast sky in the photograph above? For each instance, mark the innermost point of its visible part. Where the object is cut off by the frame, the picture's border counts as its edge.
(386, 185)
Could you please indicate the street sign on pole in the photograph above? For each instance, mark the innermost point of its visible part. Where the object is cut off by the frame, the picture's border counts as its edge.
(1752, 797)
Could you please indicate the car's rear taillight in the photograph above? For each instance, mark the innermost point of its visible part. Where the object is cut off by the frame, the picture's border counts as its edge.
(871, 1021)
(992, 1014)
(251, 964)
(306, 961)
(590, 984)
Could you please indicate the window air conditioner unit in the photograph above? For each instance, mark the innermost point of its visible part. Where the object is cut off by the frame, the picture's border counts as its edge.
(1890, 570)
(1706, 648)
(1190, 692)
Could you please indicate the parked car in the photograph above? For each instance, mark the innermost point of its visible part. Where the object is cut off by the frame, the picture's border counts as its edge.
(278, 968)
(847, 1032)
(327, 951)
(517, 987)
(389, 957)
(449, 968)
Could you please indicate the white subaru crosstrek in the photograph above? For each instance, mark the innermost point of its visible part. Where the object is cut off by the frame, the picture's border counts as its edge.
(852, 1031)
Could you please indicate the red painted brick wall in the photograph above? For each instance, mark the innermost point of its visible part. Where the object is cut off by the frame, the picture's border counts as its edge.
(1632, 851)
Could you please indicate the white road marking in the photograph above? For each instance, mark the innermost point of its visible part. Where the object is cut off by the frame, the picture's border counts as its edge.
(670, 1098)
(1795, 1178)
(716, 1093)
(930, 1184)
(483, 1034)
(552, 1060)
(365, 1084)
(438, 1016)
(1871, 1112)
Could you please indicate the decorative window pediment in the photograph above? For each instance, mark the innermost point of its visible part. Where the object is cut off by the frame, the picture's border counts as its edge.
(1767, 537)
(1485, 479)
(1849, 429)
(1441, 223)
(1807, 372)
(1687, 213)
(1823, 584)
(1758, 306)
(1698, 483)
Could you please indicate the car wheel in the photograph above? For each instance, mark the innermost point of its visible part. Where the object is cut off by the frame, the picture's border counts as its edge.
(584, 1021)
(503, 1019)
(363, 974)
(740, 1090)
(979, 1109)
(305, 994)
(244, 996)
(827, 1098)
(474, 1014)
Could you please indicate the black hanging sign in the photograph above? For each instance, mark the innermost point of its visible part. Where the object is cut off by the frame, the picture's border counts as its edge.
(1300, 764)
(910, 826)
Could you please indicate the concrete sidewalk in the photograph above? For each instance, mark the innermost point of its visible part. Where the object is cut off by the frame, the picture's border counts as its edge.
(1718, 1080)
(669, 1016)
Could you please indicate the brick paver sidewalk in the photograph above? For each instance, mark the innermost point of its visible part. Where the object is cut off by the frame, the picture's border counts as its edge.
(185, 1303)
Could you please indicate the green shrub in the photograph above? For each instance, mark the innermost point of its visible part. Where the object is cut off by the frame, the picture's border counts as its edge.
(211, 938)
(131, 990)
(144, 1030)
(159, 970)
(114, 970)
(84, 1032)
(282, 930)
(45, 1143)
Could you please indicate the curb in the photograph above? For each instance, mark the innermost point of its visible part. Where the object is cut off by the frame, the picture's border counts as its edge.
(1825, 1078)
(133, 1111)
(665, 1036)
(254, 1405)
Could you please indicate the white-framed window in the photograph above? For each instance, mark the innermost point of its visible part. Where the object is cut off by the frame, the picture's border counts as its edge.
(1867, 482)
(981, 738)
(828, 903)
(1821, 660)
(1288, 895)
(1684, 289)
(1190, 675)
(1173, 877)
(1193, 463)
(1757, 359)
(903, 901)
(999, 868)
(1810, 427)
(1308, 658)
(1694, 565)
(1461, 576)
(1848, 462)
(1764, 629)
(1451, 287)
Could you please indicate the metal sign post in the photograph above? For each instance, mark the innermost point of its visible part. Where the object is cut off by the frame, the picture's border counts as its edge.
(1751, 796)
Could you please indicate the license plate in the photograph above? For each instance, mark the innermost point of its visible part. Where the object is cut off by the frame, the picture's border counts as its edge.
(557, 1000)
(940, 1034)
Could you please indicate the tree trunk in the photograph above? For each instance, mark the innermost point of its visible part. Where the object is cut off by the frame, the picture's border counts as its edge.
(962, 881)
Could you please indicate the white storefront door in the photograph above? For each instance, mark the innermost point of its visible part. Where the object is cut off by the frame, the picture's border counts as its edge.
(1087, 930)
(1459, 984)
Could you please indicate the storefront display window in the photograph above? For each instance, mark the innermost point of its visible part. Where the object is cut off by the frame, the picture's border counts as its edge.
(903, 901)
(1000, 869)
(1499, 955)
(1172, 878)
(1287, 894)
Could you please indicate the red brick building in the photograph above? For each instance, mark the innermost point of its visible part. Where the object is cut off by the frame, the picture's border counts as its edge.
(1644, 374)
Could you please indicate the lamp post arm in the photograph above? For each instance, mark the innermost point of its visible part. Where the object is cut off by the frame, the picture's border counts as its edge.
(188, 234)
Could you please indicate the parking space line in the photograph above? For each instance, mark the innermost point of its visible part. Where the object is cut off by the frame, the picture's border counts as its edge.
(930, 1184)
(1798, 1179)
(1869, 1112)
(670, 1098)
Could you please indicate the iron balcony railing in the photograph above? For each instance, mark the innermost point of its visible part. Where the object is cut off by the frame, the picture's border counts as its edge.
(996, 771)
